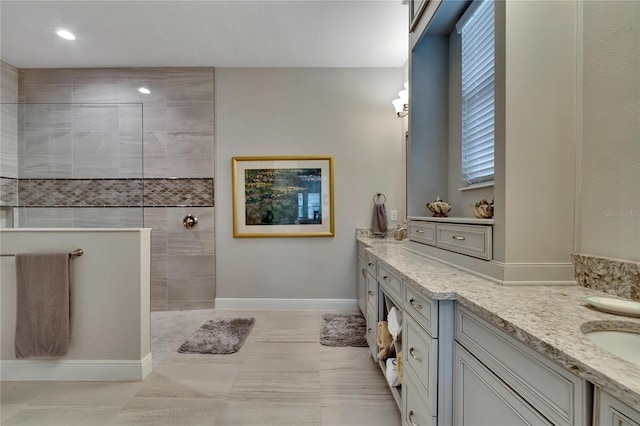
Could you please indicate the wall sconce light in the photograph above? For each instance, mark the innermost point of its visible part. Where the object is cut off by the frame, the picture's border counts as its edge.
(401, 104)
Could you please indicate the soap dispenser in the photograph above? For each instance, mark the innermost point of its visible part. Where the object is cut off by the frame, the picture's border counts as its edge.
(400, 233)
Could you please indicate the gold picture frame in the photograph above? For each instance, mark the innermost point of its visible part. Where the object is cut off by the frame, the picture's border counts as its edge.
(282, 196)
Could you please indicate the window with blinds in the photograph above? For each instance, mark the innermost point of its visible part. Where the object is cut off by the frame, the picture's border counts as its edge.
(476, 28)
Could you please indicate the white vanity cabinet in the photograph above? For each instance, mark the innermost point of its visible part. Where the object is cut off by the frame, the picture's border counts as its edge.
(426, 353)
(495, 375)
(608, 411)
(473, 237)
(361, 290)
(372, 313)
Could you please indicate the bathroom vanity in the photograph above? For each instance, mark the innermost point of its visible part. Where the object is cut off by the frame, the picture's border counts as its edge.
(475, 352)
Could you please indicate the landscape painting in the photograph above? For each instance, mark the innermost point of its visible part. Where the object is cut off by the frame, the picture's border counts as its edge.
(282, 196)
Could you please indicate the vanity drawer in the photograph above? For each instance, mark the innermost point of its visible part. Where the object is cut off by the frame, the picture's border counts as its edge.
(553, 391)
(422, 232)
(372, 329)
(415, 411)
(420, 353)
(372, 291)
(389, 281)
(472, 240)
(371, 263)
(424, 311)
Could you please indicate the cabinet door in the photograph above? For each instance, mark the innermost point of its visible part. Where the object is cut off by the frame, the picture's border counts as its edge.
(362, 285)
(611, 412)
(372, 330)
(481, 398)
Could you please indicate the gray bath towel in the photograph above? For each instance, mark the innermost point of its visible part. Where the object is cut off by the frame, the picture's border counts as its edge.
(379, 220)
(43, 293)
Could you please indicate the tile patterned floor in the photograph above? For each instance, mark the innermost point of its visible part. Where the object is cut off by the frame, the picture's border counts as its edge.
(281, 376)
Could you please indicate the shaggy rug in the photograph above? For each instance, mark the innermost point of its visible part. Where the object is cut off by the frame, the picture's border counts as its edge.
(343, 330)
(219, 336)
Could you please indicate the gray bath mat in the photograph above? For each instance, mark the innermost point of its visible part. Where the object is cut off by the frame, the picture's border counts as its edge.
(343, 330)
(219, 336)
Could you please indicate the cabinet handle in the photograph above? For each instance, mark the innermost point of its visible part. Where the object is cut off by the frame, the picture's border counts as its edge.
(364, 272)
(387, 279)
(411, 352)
(370, 293)
(370, 263)
(459, 238)
(411, 418)
(369, 330)
(419, 231)
(414, 304)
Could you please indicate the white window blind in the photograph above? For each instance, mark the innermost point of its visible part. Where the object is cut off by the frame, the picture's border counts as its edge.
(478, 40)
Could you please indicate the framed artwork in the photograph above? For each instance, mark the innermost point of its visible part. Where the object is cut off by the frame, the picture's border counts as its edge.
(282, 196)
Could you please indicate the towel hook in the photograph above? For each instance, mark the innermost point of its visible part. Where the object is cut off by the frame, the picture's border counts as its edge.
(378, 195)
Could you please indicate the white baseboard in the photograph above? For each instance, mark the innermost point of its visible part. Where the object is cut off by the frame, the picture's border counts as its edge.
(66, 370)
(287, 304)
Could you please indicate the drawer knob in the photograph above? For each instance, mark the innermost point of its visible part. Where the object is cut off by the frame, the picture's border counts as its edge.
(413, 355)
(387, 279)
(419, 231)
(369, 330)
(411, 418)
(370, 263)
(370, 293)
(414, 304)
(458, 237)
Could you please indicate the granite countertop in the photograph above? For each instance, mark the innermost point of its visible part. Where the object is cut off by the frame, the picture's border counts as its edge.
(548, 319)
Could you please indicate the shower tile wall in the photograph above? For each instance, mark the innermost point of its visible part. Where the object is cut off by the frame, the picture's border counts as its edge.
(8, 141)
(102, 141)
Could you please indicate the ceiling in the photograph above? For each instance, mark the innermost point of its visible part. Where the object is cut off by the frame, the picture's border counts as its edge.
(237, 33)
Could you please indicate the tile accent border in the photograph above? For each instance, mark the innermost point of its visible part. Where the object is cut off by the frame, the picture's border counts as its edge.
(161, 192)
(80, 192)
(614, 276)
(183, 192)
(8, 191)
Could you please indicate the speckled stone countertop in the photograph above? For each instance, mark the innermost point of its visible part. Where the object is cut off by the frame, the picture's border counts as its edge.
(548, 319)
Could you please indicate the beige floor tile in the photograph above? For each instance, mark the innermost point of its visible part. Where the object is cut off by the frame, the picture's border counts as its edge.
(286, 362)
(280, 376)
(61, 416)
(259, 412)
(333, 415)
(22, 392)
(302, 349)
(192, 380)
(8, 410)
(89, 394)
(277, 385)
(169, 412)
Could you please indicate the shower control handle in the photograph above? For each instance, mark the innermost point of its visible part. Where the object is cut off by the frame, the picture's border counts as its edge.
(190, 221)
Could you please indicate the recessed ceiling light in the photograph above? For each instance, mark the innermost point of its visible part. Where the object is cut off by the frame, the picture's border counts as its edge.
(65, 35)
(144, 90)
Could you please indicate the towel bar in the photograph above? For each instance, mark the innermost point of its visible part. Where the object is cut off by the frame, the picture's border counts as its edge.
(75, 253)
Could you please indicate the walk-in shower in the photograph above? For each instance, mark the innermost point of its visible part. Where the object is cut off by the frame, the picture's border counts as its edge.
(71, 166)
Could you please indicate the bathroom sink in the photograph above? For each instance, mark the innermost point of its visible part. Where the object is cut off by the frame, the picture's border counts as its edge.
(623, 344)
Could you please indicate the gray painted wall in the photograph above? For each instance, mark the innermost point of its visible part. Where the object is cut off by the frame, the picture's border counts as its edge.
(428, 124)
(609, 198)
(346, 113)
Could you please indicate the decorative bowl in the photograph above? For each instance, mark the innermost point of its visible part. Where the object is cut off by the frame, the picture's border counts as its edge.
(439, 208)
(483, 210)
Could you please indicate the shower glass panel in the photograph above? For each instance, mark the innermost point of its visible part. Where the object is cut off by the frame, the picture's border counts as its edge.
(71, 166)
